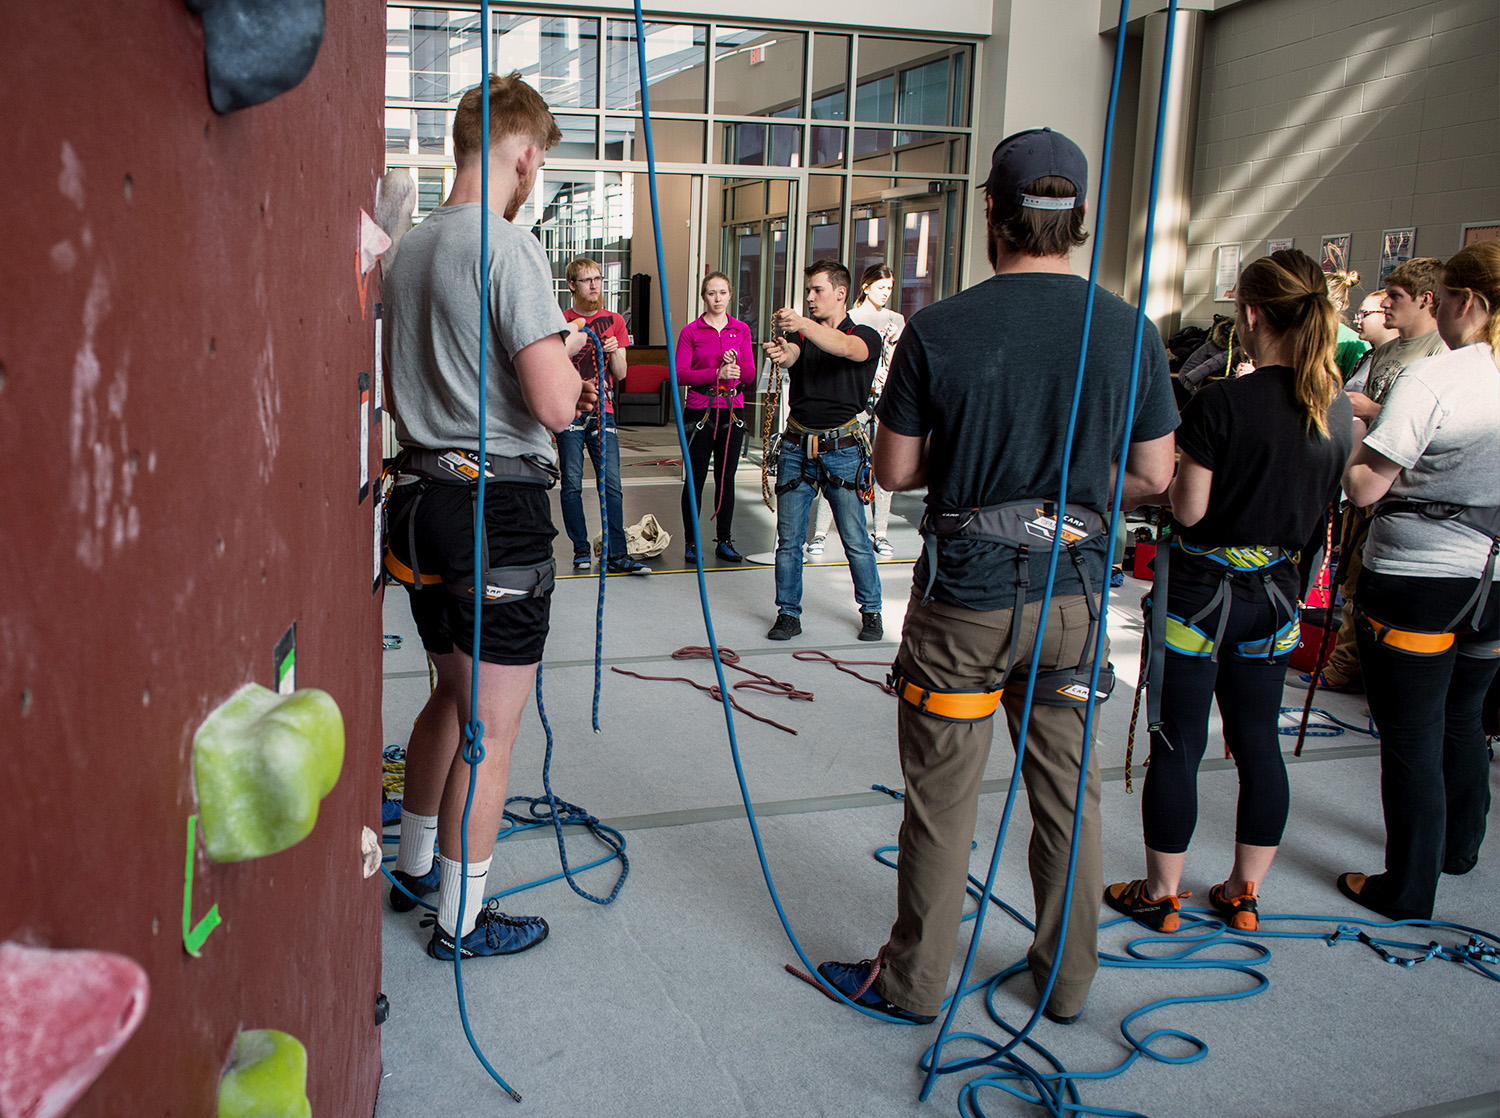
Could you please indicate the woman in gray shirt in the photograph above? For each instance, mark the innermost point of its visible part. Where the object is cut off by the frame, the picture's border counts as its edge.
(1426, 608)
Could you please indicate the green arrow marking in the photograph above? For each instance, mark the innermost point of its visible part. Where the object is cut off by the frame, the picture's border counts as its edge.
(194, 935)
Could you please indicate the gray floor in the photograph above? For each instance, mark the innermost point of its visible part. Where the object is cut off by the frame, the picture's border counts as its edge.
(673, 1001)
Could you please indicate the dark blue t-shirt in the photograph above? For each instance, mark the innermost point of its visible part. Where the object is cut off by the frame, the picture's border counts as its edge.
(987, 377)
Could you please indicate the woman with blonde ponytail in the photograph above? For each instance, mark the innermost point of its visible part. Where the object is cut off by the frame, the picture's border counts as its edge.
(1260, 463)
(1427, 611)
(1349, 347)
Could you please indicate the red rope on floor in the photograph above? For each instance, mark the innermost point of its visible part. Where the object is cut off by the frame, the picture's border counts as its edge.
(817, 656)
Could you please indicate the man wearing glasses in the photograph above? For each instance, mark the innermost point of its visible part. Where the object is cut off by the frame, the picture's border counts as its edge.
(586, 282)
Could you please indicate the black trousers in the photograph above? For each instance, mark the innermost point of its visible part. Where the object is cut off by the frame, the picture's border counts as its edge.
(1248, 690)
(1434, 768)
(721, 439)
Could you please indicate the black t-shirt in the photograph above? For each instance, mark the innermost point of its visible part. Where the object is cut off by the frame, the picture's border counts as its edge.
(828, 391)
(988, 376)
(1273, 478)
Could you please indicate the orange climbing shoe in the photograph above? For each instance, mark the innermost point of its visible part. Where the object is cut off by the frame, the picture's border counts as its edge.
(1130, 898)
(1238, 912)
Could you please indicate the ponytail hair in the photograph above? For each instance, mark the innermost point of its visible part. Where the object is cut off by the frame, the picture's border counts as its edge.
(1289, 292)
(1340, 283)
(873, 274)
(1476, 269)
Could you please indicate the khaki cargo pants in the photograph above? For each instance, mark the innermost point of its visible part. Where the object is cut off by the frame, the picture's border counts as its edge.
(943, 762)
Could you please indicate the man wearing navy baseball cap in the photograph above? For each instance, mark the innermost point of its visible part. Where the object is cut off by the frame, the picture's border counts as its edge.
(975, 411)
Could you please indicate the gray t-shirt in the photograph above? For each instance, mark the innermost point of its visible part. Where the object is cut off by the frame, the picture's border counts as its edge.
(1387, 362)
(432, 325)
(1441, 424)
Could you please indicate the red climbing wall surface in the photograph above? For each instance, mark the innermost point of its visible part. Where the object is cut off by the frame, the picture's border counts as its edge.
(181, 337)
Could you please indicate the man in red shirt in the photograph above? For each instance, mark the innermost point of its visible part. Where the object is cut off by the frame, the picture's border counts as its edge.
(586, 282)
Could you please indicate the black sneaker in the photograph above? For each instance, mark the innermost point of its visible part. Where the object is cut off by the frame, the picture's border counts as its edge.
(582, 559)
(870, 628)
(494, 934)
(726, 552)
(415, 887)
(853, 981)
(1130, 898)
(785, 629)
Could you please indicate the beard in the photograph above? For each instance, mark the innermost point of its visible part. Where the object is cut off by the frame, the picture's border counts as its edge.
(587, 305)
(518, 198)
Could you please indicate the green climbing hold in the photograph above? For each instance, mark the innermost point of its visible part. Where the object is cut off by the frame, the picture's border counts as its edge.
(262, 763)
(267, 1077)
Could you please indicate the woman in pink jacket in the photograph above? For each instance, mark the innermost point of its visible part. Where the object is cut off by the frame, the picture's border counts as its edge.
(715, 360)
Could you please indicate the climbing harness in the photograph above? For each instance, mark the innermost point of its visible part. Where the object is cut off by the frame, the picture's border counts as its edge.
(1016, 525)
(425, 468)
(813, 445)
(1427, 642)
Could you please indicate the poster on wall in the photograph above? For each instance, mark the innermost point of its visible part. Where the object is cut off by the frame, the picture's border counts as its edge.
(1476, 231)
(1335, 254)
(1278, 246)
(1226, 272)
(1395, 250)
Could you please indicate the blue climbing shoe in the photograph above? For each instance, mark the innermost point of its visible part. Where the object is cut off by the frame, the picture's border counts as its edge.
(494, 934)
(851, 978)
(418, 887)
(726, 551)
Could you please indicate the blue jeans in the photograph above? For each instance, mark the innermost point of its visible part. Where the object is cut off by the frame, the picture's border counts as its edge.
(792, 509)
(570, 444)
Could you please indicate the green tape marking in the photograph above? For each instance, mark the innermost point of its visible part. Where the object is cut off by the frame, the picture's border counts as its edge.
(193, 935)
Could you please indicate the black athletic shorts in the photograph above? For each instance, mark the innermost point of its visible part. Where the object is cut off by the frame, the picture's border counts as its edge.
(519, 520)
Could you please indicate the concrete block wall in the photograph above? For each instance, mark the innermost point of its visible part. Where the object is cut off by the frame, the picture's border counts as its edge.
(1343, 116)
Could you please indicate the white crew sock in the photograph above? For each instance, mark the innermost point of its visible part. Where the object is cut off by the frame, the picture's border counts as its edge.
(473, 877)
(418, 834)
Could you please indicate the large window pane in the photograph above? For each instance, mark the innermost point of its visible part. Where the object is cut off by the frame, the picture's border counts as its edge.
(444, 54)
(762, 145)
(558, 56)
(758, 73)
(830, 77)
(828, 147)
(676, 67)
(901, 81)
(579, 137)
(674, 141)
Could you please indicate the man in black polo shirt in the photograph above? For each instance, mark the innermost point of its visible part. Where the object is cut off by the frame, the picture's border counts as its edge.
(975, 411)
(832, 362)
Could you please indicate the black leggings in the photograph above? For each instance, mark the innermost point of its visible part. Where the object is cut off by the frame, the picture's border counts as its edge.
(722, 438)
(1434, 768)
(1248, 689)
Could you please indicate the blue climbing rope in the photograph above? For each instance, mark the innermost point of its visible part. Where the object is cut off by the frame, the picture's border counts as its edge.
(708, 623)
(1004, 1052)
(473, 744)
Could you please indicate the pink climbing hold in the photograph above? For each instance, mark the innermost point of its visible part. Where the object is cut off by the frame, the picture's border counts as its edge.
(63, 1016)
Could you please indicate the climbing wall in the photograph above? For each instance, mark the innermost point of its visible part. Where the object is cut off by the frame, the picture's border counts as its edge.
(183, 328)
